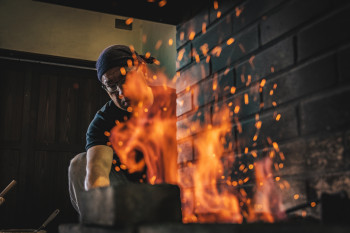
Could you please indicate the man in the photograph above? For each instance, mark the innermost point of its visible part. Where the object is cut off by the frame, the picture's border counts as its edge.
(99, 166)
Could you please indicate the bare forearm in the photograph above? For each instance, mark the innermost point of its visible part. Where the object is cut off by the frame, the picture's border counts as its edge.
(99, 160)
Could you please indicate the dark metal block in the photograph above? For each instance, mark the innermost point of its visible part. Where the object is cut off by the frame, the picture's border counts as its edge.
(131, 204)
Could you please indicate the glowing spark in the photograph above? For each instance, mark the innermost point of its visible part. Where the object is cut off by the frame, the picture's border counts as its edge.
(258, 124)
(162, 3)
(274, 103)
(216, 5)
(120, 143)
(262, 83)
(191, 36)
(275, 86)
(129, 109)
(241, 168)
(122, 166)
(236, 110)
(246, 98)
(171, 42)
(251, 59)
(165, 109)
(313, 204)
(180, 54)
(278, 117)
(129, 62)
(255, 137)
(241, 47)
(216, 51)
(158, 44)
(144, 38)
(197, 58)
(282, 155)
(123, 71)
(114, 161)
(148, 54)
(272, 69)
(246, 150)
(280, 165)
(132, 49)
(155, 61)
(129, 21)
(251, 166)
(204, 28)
(271, 92)
(207, 59)
(117, 169)
(296, 196)
(275, 146)
(109, 143)
(238, 11)
(230, 41)
(233, 90)
(218, 15)
(182, 35)
(107, 133)
(277, 178)
(215, 85)
(249, 80)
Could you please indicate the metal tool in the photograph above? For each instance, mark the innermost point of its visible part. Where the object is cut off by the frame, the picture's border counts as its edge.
(3, 193)
(48, 220)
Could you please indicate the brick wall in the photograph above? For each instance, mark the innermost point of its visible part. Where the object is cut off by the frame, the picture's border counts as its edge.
(292, 58)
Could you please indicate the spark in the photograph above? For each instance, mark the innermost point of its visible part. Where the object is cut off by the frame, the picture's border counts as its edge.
(171, 41)
(274, 103)
(229, 104)
(129, 62)
(254, 154)
(251, 59)
(152, 180)
(280, 165)
(120, 143)
(236, 110)
(278, 117)
(162, 3)
(218, 15)
(230, 41)
(246, 150)
(272, 69)
(148, 54)
(204, 28)
(117, 169)
(144, 38)
(275, 86)
(106, 133)
(216, 5)
(123, 166)
(251, 166)
(129, 21)
(182, 35)
(114, 161)
(246, 98)
(129, 109)
(238, 11)
(296, 196)
(191, 36)
(233, 90)
(277, 178)
(258, 124)
(158, 44)
(180, 54)
(207, 59)
(216, 51)
(275, 146)
(263, 82)
(122, 71)
(271, 92)
(313, 204)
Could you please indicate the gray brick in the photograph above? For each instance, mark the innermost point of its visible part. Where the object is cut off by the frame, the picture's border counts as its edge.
(215, 87)
(193, 123)
(301, 81)
(291, 16)
(344, 68)
(324, 35)
(279, 56)
(253, 10)
(215, 34)
(203, 93)
(185, 151)
(183, 103)
(325, 153)
(285, 128)
(192, 75)
(185, 58)
(326, 113)
(193, 25)
(244, 43)
(131, 204)
(252, 107)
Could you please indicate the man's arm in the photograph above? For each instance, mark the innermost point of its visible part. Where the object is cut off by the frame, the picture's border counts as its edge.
(98, 166)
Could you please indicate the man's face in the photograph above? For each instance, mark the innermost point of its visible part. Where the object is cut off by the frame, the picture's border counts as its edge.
(113, 81)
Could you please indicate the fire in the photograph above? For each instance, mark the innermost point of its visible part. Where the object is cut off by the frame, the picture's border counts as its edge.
(129, 21)
(217, 194)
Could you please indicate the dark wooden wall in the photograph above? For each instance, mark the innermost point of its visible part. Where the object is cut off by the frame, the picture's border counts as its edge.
(45, 110)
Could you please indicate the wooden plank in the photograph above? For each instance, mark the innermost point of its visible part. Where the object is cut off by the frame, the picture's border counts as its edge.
(9, 165)
(11, 101)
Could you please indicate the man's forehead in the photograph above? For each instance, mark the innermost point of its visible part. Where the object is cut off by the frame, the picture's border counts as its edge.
(112, 74)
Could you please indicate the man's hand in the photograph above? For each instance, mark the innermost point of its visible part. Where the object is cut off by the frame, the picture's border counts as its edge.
(98, 166)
